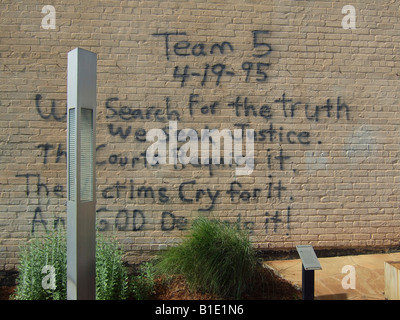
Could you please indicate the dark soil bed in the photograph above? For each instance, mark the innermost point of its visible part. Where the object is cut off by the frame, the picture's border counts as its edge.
(6, 291)
(269, 287)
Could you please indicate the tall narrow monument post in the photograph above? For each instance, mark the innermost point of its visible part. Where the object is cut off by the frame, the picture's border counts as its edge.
(81, 177)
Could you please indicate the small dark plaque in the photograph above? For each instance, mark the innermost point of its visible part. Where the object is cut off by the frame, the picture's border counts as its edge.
(308, 257)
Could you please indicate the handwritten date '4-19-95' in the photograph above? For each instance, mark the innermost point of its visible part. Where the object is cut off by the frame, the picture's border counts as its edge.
(176, 44)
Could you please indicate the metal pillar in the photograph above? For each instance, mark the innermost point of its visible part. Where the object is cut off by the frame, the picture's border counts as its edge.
(309, 263)
(307, 283)
(81, 177)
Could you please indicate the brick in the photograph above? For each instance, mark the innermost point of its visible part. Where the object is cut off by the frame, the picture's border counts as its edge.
(335, 187)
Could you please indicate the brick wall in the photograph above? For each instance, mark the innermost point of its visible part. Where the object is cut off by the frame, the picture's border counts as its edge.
(322, 101)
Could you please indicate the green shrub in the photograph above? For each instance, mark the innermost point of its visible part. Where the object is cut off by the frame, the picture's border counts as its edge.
(214, 258)
(39, 252)
(51, 250)
(143, 284)
(111, 274)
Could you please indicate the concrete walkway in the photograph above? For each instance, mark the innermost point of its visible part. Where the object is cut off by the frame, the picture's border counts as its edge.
(369, 276)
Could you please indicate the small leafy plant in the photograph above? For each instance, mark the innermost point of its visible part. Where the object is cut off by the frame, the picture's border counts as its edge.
(111, 274)
(215, 258)
(38, 253)
(143, 284)
(51, 250)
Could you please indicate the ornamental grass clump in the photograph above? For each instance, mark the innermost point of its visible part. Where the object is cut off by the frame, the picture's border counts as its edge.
(215, 257)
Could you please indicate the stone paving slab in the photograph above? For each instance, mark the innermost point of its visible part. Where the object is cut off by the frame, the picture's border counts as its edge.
(368, 270)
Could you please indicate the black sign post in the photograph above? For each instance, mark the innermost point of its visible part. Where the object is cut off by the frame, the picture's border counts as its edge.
(310, 263)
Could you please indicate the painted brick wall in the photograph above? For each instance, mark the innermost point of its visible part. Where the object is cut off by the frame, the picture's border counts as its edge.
(321, 98)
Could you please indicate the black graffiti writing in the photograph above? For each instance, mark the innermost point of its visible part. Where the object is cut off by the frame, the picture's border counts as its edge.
(139, 162)
(39, 222)
(259, 68)
(239, 224)
(122, 160)
(182, 47)
(277, 218)
(135, 220)
(119, 132)
(220, 72)
(131, 191)
(273, 190)
(52, 113)
(132, 220)
(198, 194)
(277, 135)
(209, 108)
(217, 71)
(189, 193)
(243, 195)
(151, 113)
(124, 219)
(61, 154)
(170, 221)
(313, 113)
(242, 106)
(122, 123)
(263, 48)
(34, 184)
(177, 44)
(248, 109)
